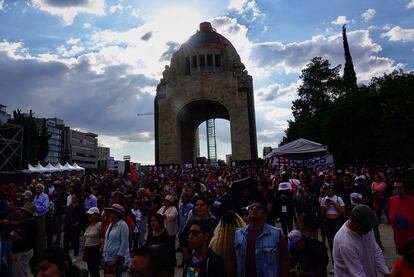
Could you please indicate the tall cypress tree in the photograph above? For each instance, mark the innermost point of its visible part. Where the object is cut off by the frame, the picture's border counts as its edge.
(350, 80)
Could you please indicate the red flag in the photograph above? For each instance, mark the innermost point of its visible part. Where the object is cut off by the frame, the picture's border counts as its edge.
(134, 175)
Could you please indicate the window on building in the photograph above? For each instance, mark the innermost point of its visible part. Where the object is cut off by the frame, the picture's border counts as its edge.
(187, 65)
(209, 60)
(202, 61)
(217, 60)
(194, 61)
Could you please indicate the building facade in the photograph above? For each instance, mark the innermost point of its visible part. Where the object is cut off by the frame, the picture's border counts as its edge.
(81, 148)
(103, 153)
(55, 128)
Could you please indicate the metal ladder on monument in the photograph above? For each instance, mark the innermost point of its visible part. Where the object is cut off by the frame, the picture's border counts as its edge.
(211, 141)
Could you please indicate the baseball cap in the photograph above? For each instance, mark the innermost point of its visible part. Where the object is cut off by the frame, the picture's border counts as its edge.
(365, 216)
(93, 210)
(27, 193)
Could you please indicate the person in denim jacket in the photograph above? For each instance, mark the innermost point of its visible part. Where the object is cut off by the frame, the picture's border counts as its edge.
(260, 248)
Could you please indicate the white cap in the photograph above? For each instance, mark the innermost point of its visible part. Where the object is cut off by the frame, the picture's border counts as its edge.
(93, 210)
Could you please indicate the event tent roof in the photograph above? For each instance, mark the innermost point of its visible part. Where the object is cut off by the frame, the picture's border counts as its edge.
(67, 166)
(49, 167)
(300, 149)
(77, 167)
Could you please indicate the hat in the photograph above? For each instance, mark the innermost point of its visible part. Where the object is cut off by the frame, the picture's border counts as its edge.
(285, 186)
(364, 216)
(30, 208)
(27, 193)
(93, 210)
(170, 198)
(294, 238)
(116, 208)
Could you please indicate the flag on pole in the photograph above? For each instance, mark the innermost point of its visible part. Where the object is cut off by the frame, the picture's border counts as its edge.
(134, 175)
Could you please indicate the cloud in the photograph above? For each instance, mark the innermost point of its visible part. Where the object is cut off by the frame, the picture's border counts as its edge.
(116, 8)
(68, 9)
(172, 47)
(368, 15)
(87, 25)
(292, 57)
(277, 93)
(2, 5)
(105, 103)
(246, 8)
(410, 4)
(399, 34)
(340, 20)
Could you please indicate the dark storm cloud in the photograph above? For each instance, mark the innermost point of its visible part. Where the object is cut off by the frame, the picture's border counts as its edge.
(147, 36)
(172, 47)
(105, 103)
(67, 3)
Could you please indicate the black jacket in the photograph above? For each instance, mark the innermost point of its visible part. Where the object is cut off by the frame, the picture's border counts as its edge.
(211, 266)
(26, 231)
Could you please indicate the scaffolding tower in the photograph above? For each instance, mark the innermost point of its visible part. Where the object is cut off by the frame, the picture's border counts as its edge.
(11, 147)
(211, 141)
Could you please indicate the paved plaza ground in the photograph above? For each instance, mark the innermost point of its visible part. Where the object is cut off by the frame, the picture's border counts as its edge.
(386, 238)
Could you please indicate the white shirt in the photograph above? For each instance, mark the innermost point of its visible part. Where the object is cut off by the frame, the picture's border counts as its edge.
(330, 209)
(357, 256)
(171, 219)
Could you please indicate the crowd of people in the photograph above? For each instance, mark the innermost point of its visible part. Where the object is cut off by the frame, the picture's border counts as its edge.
(209, 221)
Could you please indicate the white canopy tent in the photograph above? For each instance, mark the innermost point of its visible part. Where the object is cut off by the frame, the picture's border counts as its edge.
(59, 167)
(50, 168)
(40, 168)
(68, 167)
(299, 149)
(77, 167)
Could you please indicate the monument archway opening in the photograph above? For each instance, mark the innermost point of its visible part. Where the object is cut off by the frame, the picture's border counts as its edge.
(189, 118)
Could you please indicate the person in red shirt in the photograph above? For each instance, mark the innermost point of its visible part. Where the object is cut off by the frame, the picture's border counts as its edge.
(404, 267)
(401, 209)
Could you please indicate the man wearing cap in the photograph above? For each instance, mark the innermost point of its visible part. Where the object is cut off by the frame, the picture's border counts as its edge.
(309, 256)
(356, 253)
(260, 248)
(116, 241)
(24, 238)
(41, 202)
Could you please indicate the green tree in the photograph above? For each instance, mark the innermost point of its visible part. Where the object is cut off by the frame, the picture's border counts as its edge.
(43, 142)
(350, 79)
(30, 135)
(320, 86)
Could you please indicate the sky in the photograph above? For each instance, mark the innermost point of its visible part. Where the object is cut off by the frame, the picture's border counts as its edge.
(96, 63)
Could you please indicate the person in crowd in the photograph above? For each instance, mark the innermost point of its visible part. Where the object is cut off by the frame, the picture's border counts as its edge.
(185, 209)
(203, 261)
(151, 261)
(260, 248)
(170, 214)
(401, 207)
(159, 235)
(27, 197)
(60, 210)
(41, 202)
(90, 199)
(72, 228)
(284, 205)
(138, 227)
(223, 201)
(333, 210)
(54, 261)
(50, 221)
(23, 239)
(92, 254)
(268, 200)
(308, 210)
(116, 242)
(404, 267)
(309, 256)
(379, 188)
(355, 251)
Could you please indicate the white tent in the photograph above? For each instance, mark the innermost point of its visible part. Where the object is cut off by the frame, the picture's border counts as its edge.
(77, 167)
(30, 169)
(40, 168)
(59, 167)
(67, 166)
(299, 149)
(50, 168)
